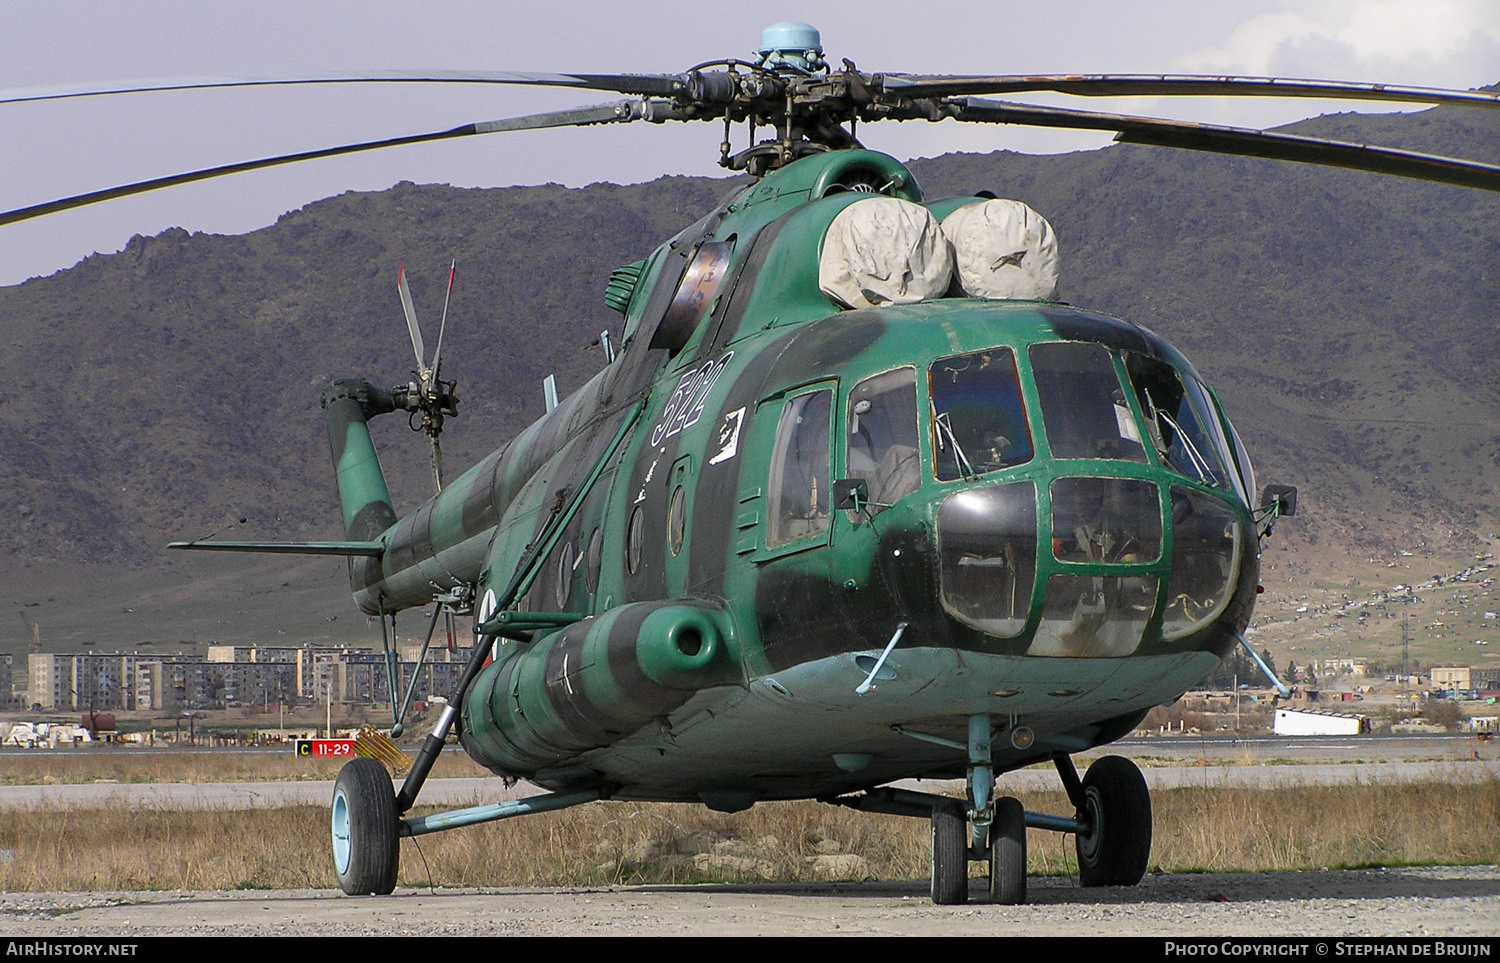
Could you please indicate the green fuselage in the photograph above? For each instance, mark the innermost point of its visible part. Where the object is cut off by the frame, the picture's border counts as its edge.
(1051, 504)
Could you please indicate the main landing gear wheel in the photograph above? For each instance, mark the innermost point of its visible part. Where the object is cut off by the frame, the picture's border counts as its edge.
(1008, 853)
(950, 854)
(1117, 808)
(366, 845)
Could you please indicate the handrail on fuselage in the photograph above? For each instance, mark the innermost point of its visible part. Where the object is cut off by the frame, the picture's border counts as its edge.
(526, 570)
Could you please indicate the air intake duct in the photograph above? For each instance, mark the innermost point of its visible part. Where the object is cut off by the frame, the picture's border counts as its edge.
(595, 683)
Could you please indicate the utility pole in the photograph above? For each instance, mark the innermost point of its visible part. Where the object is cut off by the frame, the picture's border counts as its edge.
(1406, 651)
(1406, 643)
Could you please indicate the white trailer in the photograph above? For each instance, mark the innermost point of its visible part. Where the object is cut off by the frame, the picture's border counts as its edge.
(1316, 722)
(49, 735)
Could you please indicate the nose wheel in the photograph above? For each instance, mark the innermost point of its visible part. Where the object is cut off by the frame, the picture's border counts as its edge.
(999, 832)
(366, 844)
(1111, 822)
(950, 854)
(1008, 853)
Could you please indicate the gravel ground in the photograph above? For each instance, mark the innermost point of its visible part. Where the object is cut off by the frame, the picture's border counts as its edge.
(1423, 902)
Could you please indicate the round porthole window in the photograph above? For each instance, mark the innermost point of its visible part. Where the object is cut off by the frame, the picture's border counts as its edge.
(596, 548)
(564, 575)
(634, 540)
(677, 520)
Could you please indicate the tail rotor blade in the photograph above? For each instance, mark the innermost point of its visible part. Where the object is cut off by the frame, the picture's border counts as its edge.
(437, 354)
(411, 318)
(437, 462)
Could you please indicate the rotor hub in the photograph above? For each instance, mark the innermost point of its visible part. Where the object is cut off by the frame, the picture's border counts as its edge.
(792, 44)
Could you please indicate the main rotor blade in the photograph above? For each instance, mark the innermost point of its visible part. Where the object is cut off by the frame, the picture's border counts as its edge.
(410, 311)
(622, 111)
(1235, 140)
(651, 85)
(1179, 85)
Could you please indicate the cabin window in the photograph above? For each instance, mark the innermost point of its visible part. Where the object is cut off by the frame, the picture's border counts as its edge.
(1177, 418)
(883, 436)
(799, 479)
(978, 418)
(1083, 405)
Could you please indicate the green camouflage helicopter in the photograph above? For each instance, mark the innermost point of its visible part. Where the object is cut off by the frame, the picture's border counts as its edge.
(856, 501)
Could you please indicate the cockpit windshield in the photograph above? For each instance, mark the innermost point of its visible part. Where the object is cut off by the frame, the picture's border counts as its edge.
(1083, 405)
(979, 420)
(1179, 420)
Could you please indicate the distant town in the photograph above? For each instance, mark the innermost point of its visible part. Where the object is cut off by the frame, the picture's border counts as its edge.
(227, 676)
(1333, 696)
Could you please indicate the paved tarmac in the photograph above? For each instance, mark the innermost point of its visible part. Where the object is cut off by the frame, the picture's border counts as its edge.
(466, 792)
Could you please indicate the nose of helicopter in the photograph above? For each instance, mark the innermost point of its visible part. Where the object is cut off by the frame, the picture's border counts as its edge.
(1123, 564)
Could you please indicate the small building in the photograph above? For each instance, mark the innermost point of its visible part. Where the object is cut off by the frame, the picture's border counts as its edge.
(1451, 678)
(1315, 722)
(1328, 668)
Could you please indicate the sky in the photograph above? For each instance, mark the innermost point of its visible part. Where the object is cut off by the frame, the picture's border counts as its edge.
(55, 149)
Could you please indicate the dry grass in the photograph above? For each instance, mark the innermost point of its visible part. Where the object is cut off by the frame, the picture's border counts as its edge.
(1196, 830)
(64, 766)
(1327, 826)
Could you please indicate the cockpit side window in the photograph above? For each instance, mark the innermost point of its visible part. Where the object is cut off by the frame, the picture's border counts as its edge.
(1083, 405)
(1178, 420)
(800, 479)
(1242, 456)
(882, 436)
(978, 419)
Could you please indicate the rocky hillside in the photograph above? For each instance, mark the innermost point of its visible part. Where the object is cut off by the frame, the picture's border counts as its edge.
(1350, 322)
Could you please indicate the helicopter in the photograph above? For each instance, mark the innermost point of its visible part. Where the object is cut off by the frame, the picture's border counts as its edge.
(856, 500)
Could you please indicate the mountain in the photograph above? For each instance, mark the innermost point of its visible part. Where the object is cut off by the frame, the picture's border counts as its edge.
(1350, 322)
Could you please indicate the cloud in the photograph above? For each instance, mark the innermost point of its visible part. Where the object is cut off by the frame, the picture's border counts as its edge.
(1452, 43)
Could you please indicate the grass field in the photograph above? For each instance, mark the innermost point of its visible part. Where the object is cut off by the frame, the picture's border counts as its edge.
(604, 843)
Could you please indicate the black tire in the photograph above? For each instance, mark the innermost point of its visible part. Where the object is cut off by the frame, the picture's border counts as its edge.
(366, 844)
(1008, 853)
(1117, 805)
(950, 854)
